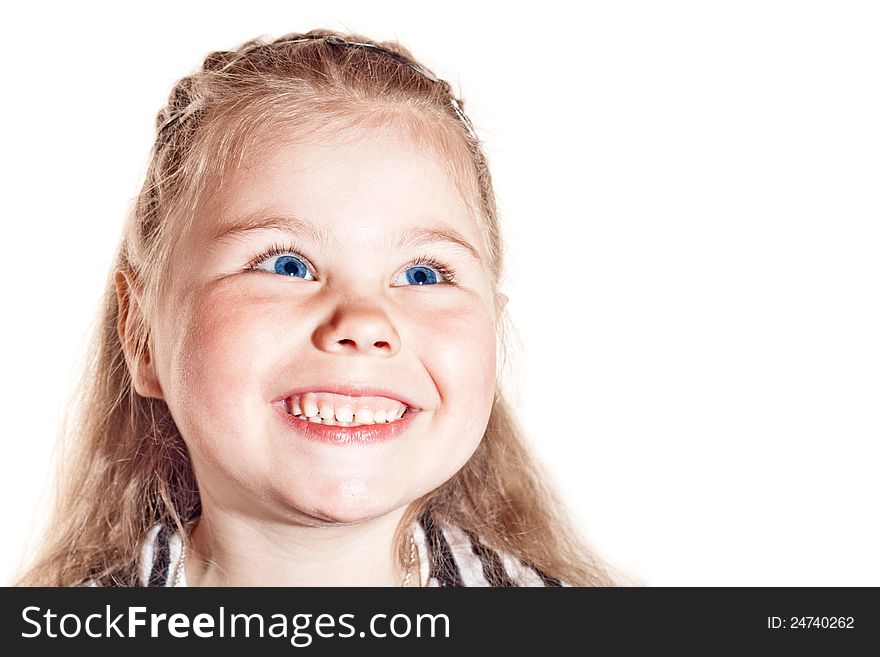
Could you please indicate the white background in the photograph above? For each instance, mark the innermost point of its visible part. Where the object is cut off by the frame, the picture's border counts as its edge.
(689, 192)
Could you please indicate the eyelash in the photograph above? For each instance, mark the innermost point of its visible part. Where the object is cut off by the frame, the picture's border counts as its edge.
(447, 272)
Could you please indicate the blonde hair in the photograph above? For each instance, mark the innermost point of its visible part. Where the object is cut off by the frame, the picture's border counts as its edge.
(128, 465)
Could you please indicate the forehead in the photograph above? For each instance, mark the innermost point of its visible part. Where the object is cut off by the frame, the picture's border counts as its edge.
(361, 179)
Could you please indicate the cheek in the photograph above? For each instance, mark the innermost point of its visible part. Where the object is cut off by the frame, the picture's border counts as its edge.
(460, 352)
(222, 345)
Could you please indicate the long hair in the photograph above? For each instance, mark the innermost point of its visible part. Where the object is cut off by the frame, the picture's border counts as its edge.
(125, 465)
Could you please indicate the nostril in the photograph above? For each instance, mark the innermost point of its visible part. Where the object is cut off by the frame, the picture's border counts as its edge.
(381, 344)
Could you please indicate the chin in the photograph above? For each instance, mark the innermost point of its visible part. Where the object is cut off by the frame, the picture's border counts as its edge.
(348, 505)
(348, 513)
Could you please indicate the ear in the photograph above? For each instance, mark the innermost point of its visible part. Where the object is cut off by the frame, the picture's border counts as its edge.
(130, 323)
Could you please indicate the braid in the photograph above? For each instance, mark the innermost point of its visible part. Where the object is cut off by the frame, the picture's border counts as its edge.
(218, 60)
(258, 57)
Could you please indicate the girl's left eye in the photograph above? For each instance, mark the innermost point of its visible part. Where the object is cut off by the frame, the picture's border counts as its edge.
(424, 271)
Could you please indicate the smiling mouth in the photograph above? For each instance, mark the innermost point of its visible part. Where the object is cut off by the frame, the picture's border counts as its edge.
(330, 409)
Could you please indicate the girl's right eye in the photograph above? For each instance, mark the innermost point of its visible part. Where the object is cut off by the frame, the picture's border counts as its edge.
(282, 261)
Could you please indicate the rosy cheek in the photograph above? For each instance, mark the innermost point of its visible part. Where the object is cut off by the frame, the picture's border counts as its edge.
(459, 350)
(208, 355)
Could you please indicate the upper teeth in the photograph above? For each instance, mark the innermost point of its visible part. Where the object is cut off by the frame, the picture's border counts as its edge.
(333, 409)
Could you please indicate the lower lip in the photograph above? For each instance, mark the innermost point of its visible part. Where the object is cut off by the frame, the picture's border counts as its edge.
(365, 434)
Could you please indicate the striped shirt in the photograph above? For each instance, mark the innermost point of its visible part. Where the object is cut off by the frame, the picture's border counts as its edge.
(447, 556)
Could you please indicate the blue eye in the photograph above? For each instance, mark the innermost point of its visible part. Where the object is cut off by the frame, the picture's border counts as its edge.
(285, 263)
(290, 266)
(426, 271)
(421, 276)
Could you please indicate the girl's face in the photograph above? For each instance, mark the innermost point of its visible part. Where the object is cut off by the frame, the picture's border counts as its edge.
(323, 292)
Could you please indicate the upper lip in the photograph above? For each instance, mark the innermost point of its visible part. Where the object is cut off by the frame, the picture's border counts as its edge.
(353, 390)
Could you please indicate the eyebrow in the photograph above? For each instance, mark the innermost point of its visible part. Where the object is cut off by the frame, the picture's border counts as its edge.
(412, 237)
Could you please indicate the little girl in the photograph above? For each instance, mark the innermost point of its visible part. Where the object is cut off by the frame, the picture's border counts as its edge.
(295, 379)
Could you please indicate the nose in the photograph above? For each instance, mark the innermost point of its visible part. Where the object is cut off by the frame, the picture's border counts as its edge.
(358, 329)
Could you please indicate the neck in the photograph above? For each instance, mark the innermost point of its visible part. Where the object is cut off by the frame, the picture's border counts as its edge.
(232, 550)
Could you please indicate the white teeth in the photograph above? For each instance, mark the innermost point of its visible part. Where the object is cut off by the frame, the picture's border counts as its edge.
(322, 408)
